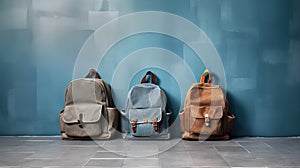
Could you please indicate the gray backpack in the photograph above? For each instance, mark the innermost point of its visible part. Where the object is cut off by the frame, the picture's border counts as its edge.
(145, 110)
(89, 110)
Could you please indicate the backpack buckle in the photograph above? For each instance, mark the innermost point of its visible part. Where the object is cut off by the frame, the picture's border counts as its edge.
(145, 121)
(133, 125)
(206, 120)
(155, 128)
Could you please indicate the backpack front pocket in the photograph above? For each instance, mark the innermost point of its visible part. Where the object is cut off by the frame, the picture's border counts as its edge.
(83, 120)
(145, 122)
(205, 120)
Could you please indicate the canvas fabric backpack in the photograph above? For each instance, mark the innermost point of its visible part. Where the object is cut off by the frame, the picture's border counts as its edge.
(206, 112)
(145, 110)
(89, 110)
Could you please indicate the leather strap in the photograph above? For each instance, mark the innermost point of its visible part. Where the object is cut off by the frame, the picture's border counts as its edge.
(153, 78)
(80, 122)
(206, 77)
(93, 74)
(133, 125)
(155, 128)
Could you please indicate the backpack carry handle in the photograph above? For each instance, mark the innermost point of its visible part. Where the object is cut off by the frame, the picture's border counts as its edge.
(93, 74)
(153, 78)
(206, 77)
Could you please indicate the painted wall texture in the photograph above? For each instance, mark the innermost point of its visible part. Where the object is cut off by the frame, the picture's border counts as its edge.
(44, 44)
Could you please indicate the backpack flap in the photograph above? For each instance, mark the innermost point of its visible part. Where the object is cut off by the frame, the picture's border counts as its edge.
(206, 119)
(144, 122)
(82, 114)
(202, 112)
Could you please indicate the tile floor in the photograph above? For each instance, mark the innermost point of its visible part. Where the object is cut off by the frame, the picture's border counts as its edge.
(238, 152)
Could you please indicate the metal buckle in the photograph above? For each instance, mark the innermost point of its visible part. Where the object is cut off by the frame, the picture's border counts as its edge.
(133, 125)
(155, 128)
(206, 120)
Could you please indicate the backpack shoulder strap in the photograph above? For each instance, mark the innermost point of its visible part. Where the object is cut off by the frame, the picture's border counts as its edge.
(108, 92)
(109, 100)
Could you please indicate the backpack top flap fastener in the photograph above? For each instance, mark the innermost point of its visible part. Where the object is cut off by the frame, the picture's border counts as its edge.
(207, 113)
(145, 116)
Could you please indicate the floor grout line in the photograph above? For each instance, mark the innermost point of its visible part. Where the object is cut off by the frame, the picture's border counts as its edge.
(42, 158)
(21, 152)
(89, 158)
(125, 158)
(37, 140)
(218, 152)
(244, 148)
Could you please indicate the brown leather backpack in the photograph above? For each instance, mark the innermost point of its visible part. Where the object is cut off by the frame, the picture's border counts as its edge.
(206, 113)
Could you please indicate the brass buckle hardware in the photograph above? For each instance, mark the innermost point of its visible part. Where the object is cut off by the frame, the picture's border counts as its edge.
(133, 125)
(155, 128)
(145, 121)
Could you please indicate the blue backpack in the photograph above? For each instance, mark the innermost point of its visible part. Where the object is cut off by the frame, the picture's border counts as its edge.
(145, 110)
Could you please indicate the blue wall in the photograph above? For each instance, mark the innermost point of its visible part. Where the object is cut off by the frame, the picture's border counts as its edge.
(44, 44)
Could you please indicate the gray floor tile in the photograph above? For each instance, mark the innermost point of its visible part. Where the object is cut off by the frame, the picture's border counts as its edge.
(97, 166)
(52, 162)
(78, 143)
(238, 156)
(12, 158)
(207, 158)
(63, 152)
(175, 155)
(257, 147)
(175, 163)
(141, 162)
(104, 163)
(176, 148)
(106, 154)
(176, 159)
(133, 148)
(245, 161)
(239, 152)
